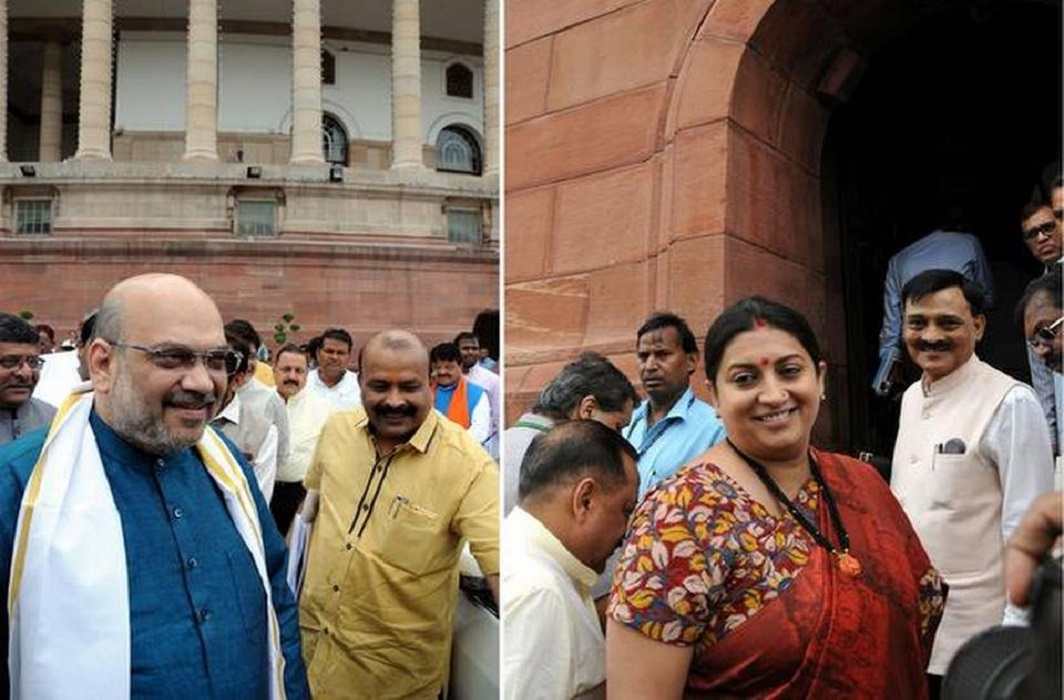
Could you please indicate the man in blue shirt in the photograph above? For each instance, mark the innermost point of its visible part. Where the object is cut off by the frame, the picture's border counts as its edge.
(197, 605)
(672, 426)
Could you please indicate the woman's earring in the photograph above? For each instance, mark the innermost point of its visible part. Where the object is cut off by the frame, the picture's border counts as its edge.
(823, 396)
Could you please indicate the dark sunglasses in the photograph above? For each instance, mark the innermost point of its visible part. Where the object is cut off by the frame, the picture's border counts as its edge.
(15, 361)
(1045, 229)
(178, 357)
(1046, 334)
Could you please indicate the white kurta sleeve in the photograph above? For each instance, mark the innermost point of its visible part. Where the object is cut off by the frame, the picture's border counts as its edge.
(1017, 440)
(537, 644)
(480, 420)
(265, 463)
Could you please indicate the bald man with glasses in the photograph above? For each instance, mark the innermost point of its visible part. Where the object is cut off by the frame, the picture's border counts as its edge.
(20, 370)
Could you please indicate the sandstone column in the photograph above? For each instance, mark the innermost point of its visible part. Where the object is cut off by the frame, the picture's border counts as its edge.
(201, 80)
(491, 89)
(406, 84)
(94, 109)
(51, 104)
(306, 82)
(3, 81)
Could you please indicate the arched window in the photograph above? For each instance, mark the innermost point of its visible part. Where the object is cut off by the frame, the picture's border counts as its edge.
(334, 140)
(459, 81)
(457, 151)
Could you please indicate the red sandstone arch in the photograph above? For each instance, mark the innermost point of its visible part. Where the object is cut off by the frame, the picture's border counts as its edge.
(667, 154)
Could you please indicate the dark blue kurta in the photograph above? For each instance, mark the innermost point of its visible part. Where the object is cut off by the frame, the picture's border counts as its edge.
(196, 603)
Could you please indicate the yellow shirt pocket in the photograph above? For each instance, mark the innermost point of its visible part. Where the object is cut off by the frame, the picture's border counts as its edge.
(409, 536)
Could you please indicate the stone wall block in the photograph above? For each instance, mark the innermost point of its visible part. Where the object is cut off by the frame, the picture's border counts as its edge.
(531, 19)
(736, 19)
(529, 222)
(613, 313)
(624, 50)
(696, 280)
(700, 180)
(527, 71)
(607, 133)
(802, 128)
(758, 95)
(602, 219)
(705, 84)
(550, 312)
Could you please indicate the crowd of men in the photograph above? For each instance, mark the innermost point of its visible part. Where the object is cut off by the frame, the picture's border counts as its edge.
(181, 457)
(975, 449)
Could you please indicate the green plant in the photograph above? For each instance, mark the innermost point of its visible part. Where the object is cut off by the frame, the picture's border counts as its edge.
(282, 329)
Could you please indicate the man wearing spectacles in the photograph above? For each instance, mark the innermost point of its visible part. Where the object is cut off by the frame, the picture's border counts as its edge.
(252, 430)
(1042, 234)
(1042, 319)
(20, 369)
(162, 568)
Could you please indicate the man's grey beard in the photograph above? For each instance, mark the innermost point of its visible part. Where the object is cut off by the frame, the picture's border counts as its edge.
(139, 424)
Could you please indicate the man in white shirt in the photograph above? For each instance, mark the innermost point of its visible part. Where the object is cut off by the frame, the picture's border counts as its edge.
(307, 414)
(469, 346)
(332, 380)
(578, 487)
(254, 394)
(251, 430)
(972, 453)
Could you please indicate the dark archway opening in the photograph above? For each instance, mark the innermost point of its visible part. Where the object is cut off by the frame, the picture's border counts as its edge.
(965, 108)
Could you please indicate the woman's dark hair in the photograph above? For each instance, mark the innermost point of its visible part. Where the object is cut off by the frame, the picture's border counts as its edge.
(747, 314)
(1050, 283)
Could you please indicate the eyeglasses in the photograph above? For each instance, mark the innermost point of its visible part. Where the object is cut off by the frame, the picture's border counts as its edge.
(15, 361)
(177, 357)
(1045, 229)
(1046, 334)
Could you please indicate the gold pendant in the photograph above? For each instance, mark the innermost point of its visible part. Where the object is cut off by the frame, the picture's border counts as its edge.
(848, 564)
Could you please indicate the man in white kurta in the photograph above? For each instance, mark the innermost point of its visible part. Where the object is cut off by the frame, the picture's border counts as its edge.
(582, 484)
(973, 452)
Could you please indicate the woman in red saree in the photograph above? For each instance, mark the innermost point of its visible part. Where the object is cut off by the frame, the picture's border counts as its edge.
(765, 568)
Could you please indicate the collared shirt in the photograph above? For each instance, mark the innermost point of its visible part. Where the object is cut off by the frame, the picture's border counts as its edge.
(945, 250)
(689, 428)
(254, 436)
(490, 381)
(518, 437)
(307, 413)
(30, 415)
(382, 573)
(263, 400)
(553, 641)
(196, 605)
(345, 395)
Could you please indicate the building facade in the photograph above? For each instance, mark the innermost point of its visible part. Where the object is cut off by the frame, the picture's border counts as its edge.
(335, 161)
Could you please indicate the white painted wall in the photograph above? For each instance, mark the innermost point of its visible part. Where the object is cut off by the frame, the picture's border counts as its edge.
(255, 87)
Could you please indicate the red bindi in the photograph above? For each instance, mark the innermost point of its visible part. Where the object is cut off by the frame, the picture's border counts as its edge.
(763, 362)
(759, 322)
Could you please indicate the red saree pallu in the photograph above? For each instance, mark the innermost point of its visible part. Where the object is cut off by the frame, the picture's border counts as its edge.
(769, 612)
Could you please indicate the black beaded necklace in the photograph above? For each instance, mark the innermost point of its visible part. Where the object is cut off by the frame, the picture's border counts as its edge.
(847, 563)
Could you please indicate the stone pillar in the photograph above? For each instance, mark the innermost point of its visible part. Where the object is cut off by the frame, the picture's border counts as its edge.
(94, 108)
(491, 89)
(201, 80)
(406, 84)
(51, 104)
(306, 82)
(3, 81)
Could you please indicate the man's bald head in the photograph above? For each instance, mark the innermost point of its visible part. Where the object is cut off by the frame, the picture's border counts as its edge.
(394, 342)
(155, 294)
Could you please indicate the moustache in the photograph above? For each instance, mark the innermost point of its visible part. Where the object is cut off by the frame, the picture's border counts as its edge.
(404, 411)
(19, 385)
(190, 399)
(940, 346)
(290, 382)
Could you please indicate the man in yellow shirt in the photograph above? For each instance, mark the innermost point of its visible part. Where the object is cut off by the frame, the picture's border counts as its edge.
(400, 487)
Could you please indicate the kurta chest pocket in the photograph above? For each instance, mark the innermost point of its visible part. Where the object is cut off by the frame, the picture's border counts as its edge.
(408, 535)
